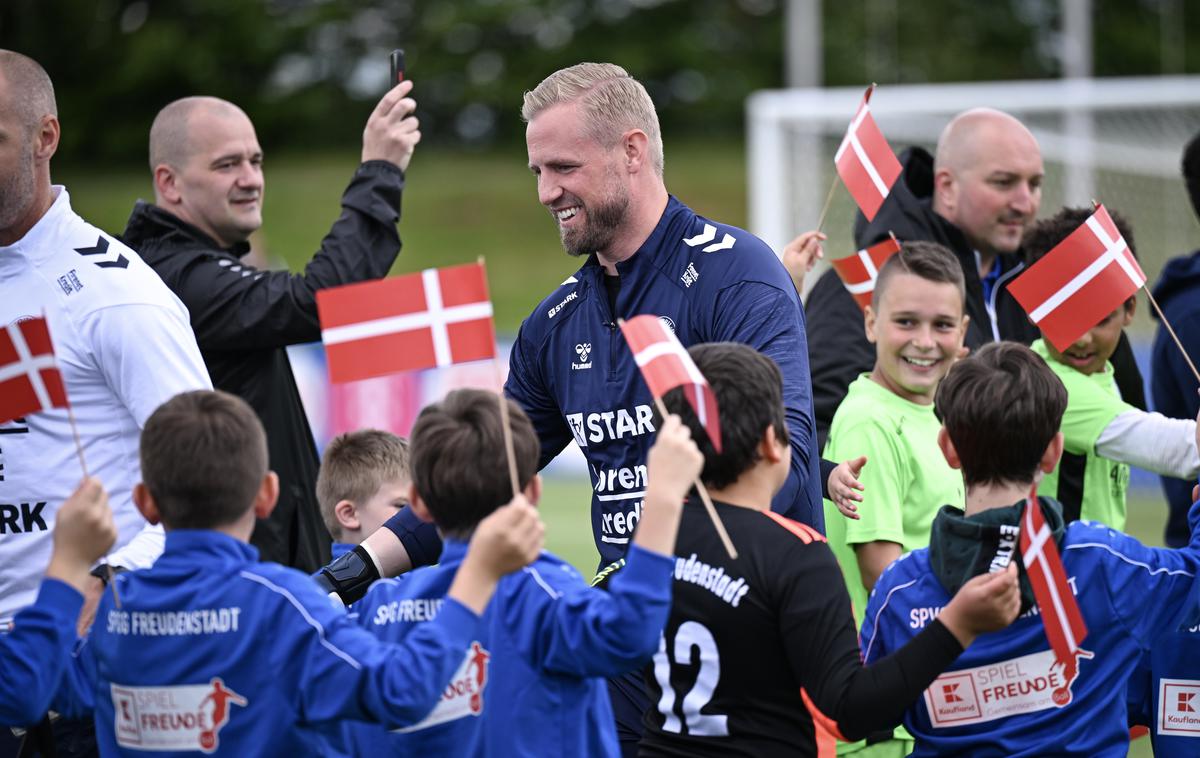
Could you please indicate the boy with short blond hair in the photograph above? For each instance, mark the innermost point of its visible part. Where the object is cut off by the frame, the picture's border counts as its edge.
(363, 482)
(211, 650)
(1103, 435)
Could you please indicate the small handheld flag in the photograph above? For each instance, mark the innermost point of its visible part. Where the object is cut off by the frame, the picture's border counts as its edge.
(1083, 279)
(865, 161)
(665, 365)
(1060, 612)
(29, 377)
(429, 319)
(860, 270)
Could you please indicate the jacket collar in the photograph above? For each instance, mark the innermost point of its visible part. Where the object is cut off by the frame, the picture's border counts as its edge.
(197, 547)
(962, 547)
(149, 222)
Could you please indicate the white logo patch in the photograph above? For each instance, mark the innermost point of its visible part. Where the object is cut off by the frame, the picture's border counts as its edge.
(690, 275)
(1007, 688)
(463, 696)
(1179, 707)
(667, 322)
(183, 717)
(584, 351)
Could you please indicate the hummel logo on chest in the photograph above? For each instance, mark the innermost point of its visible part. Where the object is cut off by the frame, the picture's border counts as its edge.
(584, 351)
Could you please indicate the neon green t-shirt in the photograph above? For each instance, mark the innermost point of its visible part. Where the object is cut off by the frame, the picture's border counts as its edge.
(906, 477)
(1092, 403)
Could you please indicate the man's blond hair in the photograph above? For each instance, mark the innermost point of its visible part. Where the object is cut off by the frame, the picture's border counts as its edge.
(355, 466)
(613, 102)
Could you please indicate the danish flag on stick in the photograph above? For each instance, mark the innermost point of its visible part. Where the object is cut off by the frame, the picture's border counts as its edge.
(429, 319)
(29, 377)
(665, 365)
(1060, 612)
(865, 161)
(860, 270)
(1083, 279)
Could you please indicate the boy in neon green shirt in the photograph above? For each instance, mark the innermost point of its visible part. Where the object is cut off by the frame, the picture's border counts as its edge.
(1102, 434)
(916, 320)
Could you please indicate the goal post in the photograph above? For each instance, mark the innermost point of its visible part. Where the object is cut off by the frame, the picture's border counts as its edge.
(1116, 140)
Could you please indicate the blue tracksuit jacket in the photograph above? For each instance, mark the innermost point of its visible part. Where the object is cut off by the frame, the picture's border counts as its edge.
(574, 375)
(530, 684)
(213, 651)
(997, 699)
(35, 651)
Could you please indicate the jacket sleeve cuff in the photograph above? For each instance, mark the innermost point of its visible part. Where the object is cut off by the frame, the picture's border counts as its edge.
(646, 572)
(376, 167)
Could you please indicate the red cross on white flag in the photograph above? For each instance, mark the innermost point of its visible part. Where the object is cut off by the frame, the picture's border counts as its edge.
(29, 377)
(860, 270)
(1077, 284)
(1060, 612)
(429, 319)
(865, 161)
(665, 365)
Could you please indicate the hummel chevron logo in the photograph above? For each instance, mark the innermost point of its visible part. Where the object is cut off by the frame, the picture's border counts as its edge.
(101, 249)
(708, 235)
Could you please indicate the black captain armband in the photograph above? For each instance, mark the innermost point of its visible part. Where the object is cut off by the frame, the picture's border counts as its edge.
(349, 575)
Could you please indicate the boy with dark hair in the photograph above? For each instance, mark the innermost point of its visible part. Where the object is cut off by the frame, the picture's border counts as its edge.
(34, 652)
(759, 656)
(1008, 695)
(1103, 434)
(532, 682)
(363, 482)
(917, 322)
(212, 650)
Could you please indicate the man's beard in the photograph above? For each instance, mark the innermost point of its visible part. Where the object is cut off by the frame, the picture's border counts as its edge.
(16, 190)
(603, 220)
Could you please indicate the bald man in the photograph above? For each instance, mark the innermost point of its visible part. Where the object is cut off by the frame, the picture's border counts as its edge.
(207, 168)
(977, 197)
(122, 342)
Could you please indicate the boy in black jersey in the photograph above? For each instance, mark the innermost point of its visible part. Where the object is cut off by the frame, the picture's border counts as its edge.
(760, 655)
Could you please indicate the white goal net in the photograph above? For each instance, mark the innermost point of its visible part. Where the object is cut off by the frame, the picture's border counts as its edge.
(1117, 141)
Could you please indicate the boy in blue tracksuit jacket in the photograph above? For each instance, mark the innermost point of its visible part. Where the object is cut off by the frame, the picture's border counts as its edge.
(210, 650)
(530, 683)
(34, 652)
(1006, 695)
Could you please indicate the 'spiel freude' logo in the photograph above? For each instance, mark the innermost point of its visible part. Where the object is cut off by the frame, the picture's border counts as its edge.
(181, 717)
(1006, 688)
(463, 696)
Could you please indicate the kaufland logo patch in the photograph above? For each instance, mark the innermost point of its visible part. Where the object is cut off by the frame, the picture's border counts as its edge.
(183, 717)
(1179, 707)
(463, 696)
(1007, 688)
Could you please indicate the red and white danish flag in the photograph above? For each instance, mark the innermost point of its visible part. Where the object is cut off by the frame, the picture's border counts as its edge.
(860, 270)
(1083, 279)
(29, 377)
(665, 365)
(865, 161)
(1060, 612)
(429, 319)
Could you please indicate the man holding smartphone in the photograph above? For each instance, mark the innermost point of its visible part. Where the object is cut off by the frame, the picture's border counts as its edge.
(208, 192)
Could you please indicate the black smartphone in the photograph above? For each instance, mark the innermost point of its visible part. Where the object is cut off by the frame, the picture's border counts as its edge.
(397, 58)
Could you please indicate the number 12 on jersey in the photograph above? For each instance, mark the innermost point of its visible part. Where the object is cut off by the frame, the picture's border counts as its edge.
(694, 647)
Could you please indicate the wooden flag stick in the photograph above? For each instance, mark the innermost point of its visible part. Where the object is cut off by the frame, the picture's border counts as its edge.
(708, 504)
(506, 430)
(828, 202)
(1162, 316)
(83, 465)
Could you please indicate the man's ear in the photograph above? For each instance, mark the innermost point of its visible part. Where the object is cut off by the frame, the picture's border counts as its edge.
(419, 509)
(45, 143)
(166, 185)
(946, 445)
(145, 504)
(267, 496)
(869, 319)
(636, 148)
(1053, 452)
(943, 190)
(347, 515)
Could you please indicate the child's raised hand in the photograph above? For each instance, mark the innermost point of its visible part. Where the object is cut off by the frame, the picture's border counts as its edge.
(83, 533)
(844, 486)
(801, 254)
(986, 603)
(511, 537)
(674, 462)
